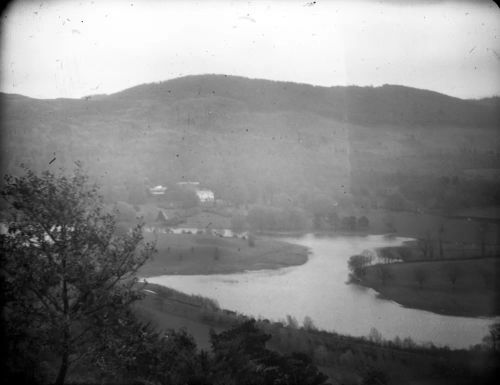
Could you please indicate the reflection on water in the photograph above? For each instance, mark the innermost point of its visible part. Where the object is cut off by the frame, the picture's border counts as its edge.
(318, 289)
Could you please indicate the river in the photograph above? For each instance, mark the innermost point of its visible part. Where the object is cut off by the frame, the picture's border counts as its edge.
(318, 289)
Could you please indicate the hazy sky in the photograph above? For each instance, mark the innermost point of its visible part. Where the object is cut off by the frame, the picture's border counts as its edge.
(76, 48)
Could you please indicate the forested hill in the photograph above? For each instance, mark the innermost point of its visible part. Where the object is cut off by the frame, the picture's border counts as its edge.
(247, 136)
(389, 104)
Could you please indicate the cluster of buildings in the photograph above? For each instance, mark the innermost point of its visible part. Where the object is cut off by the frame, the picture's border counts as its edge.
(204, 195)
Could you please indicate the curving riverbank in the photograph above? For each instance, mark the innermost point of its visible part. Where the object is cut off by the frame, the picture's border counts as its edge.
(317, 289)
(191, 254)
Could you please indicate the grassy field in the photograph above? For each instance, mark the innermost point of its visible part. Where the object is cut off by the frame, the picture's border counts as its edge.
(457, 287)
(168, 309)
(204, 219)
(206, 254)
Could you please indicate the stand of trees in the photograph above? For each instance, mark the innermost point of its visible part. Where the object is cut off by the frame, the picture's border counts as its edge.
(273, 219)
(358, 263)
(240, 356)
(66, 274)
(429, 193)
(331, 221)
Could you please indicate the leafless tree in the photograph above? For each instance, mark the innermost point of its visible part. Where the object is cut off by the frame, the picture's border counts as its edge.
(420, 276)
(425, 246)
(440, 241)
(452, 272)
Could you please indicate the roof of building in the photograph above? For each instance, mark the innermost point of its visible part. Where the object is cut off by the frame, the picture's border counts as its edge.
(158, 190)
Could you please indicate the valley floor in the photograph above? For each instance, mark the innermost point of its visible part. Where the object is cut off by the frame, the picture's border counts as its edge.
(461, 287)
(188, 254)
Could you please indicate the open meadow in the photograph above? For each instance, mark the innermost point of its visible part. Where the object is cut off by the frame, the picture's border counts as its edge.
(464, 287)
(208, 254)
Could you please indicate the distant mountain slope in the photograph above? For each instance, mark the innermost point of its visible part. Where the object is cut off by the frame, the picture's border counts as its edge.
(251, 136)
(388, 104)
(384, 105)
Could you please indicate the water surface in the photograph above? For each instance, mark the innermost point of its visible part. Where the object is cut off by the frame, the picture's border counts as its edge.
(318, 289)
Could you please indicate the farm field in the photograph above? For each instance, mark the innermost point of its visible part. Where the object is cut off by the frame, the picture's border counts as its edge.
(207, 254)
(463, 287)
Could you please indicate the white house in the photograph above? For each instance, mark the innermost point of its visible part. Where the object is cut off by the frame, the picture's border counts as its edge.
(205, 196)
(157, 190)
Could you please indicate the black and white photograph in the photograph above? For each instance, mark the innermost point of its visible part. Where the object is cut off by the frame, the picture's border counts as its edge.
(231, 192)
